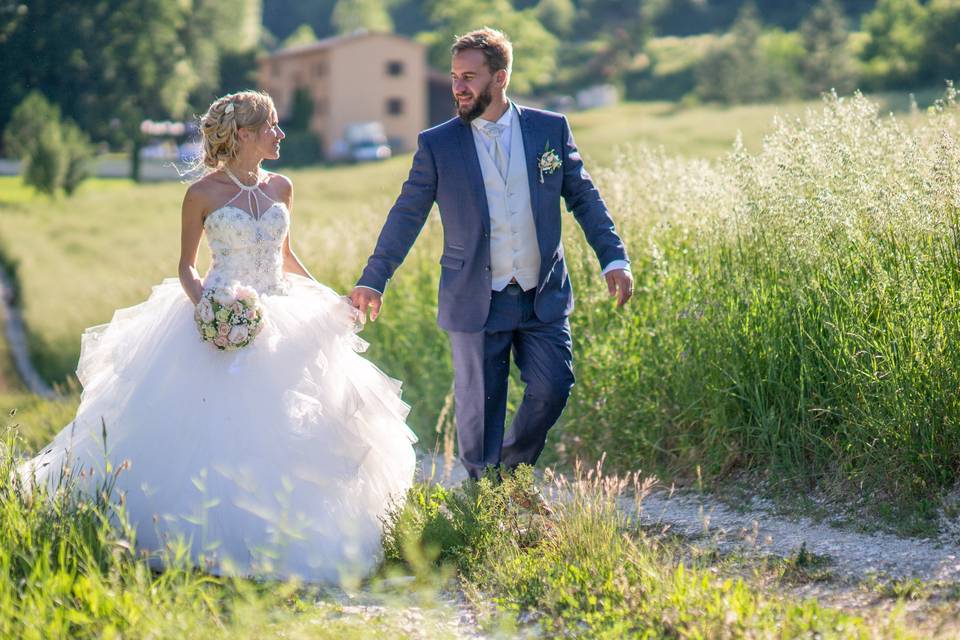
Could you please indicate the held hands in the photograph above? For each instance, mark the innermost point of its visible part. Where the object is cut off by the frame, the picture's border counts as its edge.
(362, 298)
(620, 284)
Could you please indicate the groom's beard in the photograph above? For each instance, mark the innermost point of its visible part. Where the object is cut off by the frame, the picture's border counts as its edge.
(480, 104)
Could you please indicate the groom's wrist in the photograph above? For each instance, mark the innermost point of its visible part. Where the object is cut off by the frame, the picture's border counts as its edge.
(615, 264)
(363, 286)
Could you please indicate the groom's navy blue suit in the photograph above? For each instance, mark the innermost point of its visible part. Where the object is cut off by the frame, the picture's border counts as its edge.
(484, 325)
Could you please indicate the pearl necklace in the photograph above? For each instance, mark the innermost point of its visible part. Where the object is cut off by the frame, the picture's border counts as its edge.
(249, 189)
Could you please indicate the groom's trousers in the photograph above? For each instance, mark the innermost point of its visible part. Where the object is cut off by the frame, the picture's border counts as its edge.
(481, 364)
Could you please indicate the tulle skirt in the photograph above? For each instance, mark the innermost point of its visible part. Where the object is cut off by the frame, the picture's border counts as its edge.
(279, 459)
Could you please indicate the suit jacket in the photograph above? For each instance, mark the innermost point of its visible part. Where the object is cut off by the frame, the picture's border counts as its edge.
(446, 170)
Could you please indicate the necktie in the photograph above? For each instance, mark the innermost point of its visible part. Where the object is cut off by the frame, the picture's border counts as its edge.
(495, 130)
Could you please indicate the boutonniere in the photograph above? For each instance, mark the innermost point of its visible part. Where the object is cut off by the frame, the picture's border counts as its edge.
(549, 161)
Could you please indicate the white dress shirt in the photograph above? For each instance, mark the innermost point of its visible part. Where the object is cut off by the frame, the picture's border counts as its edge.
(506, 121)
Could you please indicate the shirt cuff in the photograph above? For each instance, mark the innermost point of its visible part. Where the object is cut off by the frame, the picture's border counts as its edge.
(363, 286)
(615, 264)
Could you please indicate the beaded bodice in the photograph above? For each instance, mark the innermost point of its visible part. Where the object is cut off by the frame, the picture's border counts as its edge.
(246, 246)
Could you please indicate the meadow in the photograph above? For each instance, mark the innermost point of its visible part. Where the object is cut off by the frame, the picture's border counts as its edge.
(79, 259)
(794, 316)
(793, 307)
(70, 568)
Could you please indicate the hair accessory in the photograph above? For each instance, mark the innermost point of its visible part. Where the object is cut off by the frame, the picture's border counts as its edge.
(229, 108)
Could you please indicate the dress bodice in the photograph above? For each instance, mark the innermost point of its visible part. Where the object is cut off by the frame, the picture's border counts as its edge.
(247, 248)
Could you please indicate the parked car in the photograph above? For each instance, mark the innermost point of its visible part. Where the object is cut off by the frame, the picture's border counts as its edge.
(363, 142)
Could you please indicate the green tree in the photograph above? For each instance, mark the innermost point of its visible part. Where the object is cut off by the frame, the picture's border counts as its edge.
(941, 49)
(78, 155)
(301, 110)
(107, 63)
(558, 16)
(27, 121)
(356, 15)
(216, 36)
(45, 162)
(534, 48)
(895, 38)
(304, 34)
(782, 54)
(55, 154)
(734, 70)
(827, 64)
(624, 29)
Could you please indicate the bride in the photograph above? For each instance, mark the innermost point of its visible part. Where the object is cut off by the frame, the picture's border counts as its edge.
(276, 459)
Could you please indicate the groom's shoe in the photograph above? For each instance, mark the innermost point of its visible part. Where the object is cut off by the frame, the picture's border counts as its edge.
(530, 499)
(534, 502)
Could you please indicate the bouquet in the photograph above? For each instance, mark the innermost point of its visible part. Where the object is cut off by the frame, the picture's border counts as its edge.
(229, 317)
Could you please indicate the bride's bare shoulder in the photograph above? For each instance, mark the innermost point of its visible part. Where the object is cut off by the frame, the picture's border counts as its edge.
(205, 192)
(281, 184)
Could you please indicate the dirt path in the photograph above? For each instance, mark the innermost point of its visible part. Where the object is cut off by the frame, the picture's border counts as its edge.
(853, 556)
(16, 335)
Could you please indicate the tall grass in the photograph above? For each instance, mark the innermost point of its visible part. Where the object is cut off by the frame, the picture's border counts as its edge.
(587, 570)
(796, 308)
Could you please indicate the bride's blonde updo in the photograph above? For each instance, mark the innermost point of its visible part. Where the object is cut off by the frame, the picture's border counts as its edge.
(225, 117)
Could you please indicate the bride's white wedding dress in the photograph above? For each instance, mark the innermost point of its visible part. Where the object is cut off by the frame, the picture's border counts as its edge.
(277, 459)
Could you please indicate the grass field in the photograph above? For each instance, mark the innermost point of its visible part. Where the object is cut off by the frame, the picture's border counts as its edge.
(585, 571)
(80, 259)
(777, 324)
(795, 316)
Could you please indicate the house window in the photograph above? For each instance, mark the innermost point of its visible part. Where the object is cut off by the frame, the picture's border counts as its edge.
(394, 68)
(395, 106)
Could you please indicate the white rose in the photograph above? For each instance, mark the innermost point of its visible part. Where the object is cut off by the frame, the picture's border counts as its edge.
(224, 297)
(238, 334)
(246, 294)
(205, 310)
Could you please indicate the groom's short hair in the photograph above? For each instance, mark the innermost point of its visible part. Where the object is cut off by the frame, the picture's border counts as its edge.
(494, 44)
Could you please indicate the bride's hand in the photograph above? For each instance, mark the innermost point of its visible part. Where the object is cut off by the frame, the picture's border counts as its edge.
(351, 315)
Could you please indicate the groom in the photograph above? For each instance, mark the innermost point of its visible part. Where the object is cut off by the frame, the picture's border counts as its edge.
(497, 172)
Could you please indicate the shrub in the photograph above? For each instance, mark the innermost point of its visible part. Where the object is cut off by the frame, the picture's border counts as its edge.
(55, 154)
(45, 162)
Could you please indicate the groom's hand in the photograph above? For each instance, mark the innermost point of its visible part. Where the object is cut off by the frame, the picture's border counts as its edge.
(362, 298)
(620, 284)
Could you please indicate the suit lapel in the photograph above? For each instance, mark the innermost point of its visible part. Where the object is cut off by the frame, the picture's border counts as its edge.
(468, 151)
(532, 144)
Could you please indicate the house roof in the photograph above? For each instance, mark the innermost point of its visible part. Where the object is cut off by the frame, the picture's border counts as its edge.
(334, 41)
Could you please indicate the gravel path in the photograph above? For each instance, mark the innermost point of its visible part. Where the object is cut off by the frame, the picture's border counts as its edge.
(853, 556)
(445, 617)
(16, 334)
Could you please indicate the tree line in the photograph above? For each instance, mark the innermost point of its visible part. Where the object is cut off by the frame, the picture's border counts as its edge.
(106, 65)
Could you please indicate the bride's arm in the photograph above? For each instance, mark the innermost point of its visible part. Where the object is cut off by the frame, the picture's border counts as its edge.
(191, 228)
(291, 263)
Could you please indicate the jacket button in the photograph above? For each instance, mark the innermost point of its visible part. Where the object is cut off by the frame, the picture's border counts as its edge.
(486, 268)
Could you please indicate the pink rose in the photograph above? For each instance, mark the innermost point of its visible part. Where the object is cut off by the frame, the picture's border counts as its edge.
(223, 329)
(237, 308)
(251, 314)
(220, 341)
(238, 334)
